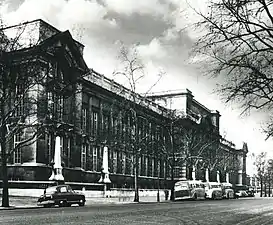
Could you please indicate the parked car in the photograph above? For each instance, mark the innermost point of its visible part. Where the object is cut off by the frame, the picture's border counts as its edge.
(61, 195)
(213, 190)
(227, 191)
(189, 189)
(240, 191)
(250, 191)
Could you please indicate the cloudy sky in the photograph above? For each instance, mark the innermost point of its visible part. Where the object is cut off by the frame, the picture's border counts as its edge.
(158, 26)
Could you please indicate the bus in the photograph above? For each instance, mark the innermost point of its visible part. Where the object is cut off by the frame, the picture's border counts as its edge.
(213, 190)
(189, 189)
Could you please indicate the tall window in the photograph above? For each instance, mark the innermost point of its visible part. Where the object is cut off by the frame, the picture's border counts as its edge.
(19, 104)
(123, 160)
(115, 161)
(49, 147)
(95, 158)
(84, 119)
(60, 107)
(50, 100)
(146, 165)
(153, 166)
(95, 123)
(17, 154)
(83, 155)
(132, 165)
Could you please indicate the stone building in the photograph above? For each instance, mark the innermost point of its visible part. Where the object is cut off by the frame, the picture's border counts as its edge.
(89, 111)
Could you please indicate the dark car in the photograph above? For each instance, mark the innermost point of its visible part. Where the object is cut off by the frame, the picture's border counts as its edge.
(61, 195)
(251, 192)
(240, 191)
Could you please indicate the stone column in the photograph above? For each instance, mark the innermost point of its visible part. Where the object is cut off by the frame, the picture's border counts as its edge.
(240, 170)
(58, 176)
(218, 176)
(251, 181)
(240, 176)
(193, 173)
(207, 175)
(227, 177)
(105, 168)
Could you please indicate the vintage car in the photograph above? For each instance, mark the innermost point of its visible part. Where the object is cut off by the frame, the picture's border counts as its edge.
(213, 190)
(240, 191)
(61, 195)
(189, 189)
(251, 191)
(227, 190)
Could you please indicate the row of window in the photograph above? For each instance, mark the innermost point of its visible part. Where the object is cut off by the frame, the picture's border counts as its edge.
(119, 162)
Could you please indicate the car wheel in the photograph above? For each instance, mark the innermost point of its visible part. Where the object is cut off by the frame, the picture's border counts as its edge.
(82, 202)
(213, 196)
(195, 197)
(62, 204)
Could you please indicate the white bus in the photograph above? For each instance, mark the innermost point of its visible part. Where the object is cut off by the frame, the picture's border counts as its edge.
(189, 189)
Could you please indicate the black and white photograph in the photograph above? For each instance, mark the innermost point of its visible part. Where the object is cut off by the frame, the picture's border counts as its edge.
(136, 112)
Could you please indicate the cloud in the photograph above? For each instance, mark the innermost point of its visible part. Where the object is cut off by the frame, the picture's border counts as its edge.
(129, 7)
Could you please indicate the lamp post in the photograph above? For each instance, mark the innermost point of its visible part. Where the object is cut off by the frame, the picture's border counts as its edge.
(104, 170)
(56, 174)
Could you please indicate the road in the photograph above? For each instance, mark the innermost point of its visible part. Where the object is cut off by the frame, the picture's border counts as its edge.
(237, 211)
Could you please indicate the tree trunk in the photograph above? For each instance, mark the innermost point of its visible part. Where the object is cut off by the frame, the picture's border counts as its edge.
(136, 198)
(5, 195)
(265, 186)
(172, 183)
(3, 133)
(261, 182)
(269, 187)
(172, 198)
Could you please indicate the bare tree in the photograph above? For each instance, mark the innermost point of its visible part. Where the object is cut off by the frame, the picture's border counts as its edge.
(20, 80)
(133, 70)
(236, 47)
(260, 163)
(186, 143)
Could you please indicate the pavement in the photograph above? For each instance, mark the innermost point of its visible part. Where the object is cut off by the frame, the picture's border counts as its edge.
(23, 202)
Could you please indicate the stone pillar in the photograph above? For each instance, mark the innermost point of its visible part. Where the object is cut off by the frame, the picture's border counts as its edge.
(105, 168)
(227, 177)
(58, 176)
(193, 173)
(240, 177)
(218, 176)
(207, 175)
(251, 181)
(240, 170)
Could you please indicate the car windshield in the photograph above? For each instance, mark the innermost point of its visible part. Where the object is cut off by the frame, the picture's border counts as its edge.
(50, 190)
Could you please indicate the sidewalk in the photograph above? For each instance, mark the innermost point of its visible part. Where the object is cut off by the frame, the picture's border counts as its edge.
(31, 202)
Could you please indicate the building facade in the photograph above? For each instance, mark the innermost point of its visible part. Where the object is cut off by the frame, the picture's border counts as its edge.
(162, 138)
